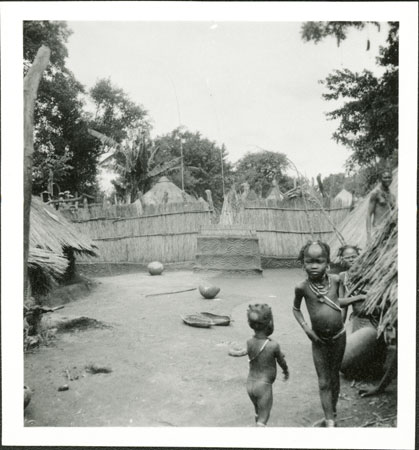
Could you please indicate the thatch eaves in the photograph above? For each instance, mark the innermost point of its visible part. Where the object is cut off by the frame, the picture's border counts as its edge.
(47, 261)
(50, 230)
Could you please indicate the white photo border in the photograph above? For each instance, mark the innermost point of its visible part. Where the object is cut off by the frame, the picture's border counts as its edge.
(12, 15)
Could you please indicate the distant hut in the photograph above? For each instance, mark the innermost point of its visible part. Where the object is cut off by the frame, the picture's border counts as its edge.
(232, 207)
(353, 228)
(275, 193)
(164, 192)
(53, 240)
(343, 198)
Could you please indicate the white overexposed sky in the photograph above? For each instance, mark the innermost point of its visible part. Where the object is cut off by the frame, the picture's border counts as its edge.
(245, 84)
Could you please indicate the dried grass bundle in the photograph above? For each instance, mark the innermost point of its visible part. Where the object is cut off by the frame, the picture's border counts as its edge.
(375, 272)
(50, 230)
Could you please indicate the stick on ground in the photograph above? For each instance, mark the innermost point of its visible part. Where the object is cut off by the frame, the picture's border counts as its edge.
(172, 292)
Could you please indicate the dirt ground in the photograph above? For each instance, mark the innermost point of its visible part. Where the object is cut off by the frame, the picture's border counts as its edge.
(165, 373)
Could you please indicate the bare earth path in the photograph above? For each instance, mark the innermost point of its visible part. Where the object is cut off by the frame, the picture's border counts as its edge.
(165, 373)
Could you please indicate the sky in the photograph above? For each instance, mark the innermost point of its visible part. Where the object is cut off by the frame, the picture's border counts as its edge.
(249, 85)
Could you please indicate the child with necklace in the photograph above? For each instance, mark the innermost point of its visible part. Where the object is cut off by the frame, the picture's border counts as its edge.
(327, 332)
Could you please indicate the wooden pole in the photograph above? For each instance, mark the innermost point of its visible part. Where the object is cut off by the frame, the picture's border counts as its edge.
(30, 89)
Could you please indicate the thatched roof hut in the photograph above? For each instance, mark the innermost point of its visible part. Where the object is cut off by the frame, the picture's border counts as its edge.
(344, 197)
(375, 272)
(163, 192)
(52, 242)
(47, 261)
(275, 193)
(51, 233)
(353, 228)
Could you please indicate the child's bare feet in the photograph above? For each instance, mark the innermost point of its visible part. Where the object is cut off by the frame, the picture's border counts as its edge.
(319, 423)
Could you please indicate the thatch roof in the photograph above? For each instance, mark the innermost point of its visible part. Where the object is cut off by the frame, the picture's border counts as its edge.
(353, 228)
(47, 261)
(163, 192)
(275, 193)
(51, 231)
(344, 197)
(375, 272)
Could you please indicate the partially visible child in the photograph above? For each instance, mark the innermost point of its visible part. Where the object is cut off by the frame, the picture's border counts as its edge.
(327, 333)
(348, 255)
(263, 354)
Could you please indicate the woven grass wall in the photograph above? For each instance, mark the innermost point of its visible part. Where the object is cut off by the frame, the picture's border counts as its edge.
(284, 227)
(166, 233)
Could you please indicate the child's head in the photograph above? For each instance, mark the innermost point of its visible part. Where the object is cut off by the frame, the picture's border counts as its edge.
(315, 257)
(260, 318)
(348, 254)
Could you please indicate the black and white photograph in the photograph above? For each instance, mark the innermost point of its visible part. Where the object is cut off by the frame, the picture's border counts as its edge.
(210, 230)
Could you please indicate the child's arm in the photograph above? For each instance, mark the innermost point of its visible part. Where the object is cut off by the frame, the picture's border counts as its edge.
(280, 358)
(370, 212)
(346, 301)
(341, 294)
(299, 295)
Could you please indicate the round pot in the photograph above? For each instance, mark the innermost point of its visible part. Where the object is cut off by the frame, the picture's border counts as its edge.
(209, 292)
(155, 268)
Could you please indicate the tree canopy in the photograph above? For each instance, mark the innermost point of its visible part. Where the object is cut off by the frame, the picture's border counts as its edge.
(368, 118)
(202, 163)
(115, 113)
(62, 145)
(260, 168)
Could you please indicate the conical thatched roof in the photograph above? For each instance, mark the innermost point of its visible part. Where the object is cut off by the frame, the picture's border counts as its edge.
(163, 192)
(275, 193)
(344, 198)
(353, 228)
(51, 231)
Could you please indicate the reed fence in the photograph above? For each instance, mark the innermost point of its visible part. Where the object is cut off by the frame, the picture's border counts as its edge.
(284, 227)
(167, 233)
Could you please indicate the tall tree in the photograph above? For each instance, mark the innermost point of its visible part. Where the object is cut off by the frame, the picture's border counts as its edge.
(202, 163)
(115, 113)
(368, 118)
(62, 145)
(260, 169)
(134, 161)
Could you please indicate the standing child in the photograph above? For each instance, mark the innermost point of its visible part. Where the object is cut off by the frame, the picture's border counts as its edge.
(327, 333)
(263, 354)
(348, 255)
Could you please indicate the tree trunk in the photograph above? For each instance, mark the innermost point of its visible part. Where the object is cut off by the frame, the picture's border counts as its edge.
(30, 89)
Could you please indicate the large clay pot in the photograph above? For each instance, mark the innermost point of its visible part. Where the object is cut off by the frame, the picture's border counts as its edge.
(209, 292)
(360, 352)
(155, 268)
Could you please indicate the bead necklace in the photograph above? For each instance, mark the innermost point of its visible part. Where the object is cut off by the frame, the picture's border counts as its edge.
(319, 289)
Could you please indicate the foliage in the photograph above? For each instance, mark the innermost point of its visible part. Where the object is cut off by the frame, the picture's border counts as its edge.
(368, 118)
(134, 162)
(334, 183)
(61, 139)
(115, 112)
(202, 163)
(52, 34)
(259, 169)
(317, 31)
(359, 183)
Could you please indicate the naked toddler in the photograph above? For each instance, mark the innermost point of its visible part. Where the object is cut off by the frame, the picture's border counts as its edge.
(263, 354)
